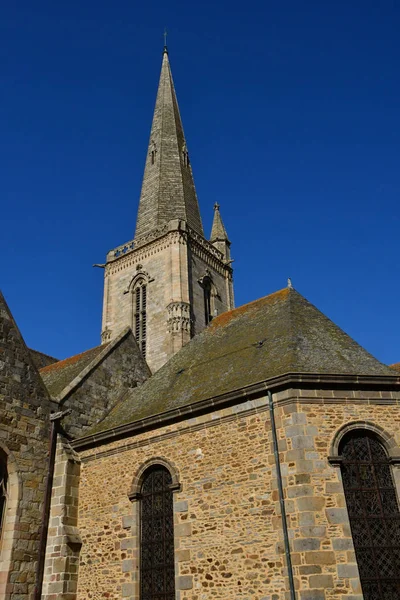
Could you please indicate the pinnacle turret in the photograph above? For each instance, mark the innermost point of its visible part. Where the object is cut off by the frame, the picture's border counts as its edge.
(168, 190)
(218, 231)
(219, 237)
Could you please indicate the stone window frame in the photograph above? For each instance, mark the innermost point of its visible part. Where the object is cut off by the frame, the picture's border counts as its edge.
(393, 451)
(386, 439)
(210, 293)
(131, 589)
(135, 494)
(9, 533)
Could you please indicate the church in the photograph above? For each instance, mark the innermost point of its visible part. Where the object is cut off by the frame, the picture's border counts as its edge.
(201, 451)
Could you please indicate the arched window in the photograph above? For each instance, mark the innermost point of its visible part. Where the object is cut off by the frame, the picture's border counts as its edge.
(3, 490)
(374, 514)
(207, 299)
(139, 314)
(157, 573)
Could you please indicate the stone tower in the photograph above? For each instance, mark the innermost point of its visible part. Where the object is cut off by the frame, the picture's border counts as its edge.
(169, 281)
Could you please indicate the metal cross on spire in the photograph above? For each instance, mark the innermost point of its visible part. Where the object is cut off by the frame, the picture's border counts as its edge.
(165, 40)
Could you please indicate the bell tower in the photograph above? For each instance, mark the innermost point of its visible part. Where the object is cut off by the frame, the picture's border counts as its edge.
(169, 281)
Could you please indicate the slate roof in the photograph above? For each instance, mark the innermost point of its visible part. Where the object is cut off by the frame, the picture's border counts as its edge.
(41, 359)
(278, 334)
(58, 375)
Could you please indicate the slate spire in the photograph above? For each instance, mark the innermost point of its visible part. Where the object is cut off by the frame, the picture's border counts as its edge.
(168, 190)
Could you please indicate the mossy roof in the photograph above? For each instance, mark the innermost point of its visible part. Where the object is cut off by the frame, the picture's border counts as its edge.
(41, 359)
(58, 375)
(278, 334)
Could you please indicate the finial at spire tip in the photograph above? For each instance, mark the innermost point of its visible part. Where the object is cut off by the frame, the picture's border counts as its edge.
(216, 206)
(165, 51)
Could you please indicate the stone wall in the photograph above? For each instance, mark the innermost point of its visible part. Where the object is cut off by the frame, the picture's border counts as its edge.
(63, 541)
(24, 441)
(222, 283)
(122, 369)
(228, 529)
(308, 422)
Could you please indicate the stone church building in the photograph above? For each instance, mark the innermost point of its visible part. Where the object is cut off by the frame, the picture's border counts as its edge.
(201, 451)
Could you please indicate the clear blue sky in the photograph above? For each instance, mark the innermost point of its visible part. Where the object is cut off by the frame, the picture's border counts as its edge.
(291, 112)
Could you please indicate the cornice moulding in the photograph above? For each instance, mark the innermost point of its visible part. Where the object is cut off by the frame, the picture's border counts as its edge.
(274, 384)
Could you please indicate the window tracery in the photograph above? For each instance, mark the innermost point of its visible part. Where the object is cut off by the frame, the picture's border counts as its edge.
(373, 512)
(157, 572)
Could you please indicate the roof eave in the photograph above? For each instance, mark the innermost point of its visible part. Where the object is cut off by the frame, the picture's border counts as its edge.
(195, 408)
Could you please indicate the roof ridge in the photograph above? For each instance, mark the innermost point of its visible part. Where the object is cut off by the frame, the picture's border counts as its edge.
(69, 360)
(43, 354)
(293, 343)
(107, 348)
(240, 309)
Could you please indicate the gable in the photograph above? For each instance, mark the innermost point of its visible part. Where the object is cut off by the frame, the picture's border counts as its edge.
(90, 384)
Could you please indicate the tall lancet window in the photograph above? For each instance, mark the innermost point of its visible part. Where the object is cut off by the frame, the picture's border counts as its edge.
(207, 288)
(374, 514)
(139, 314)
(157, 572)
(3, 491)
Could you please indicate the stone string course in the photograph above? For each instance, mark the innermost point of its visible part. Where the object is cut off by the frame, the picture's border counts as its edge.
(228, 533)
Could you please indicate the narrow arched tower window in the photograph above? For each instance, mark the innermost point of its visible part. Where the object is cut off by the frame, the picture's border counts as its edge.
(140, 315)
(207, 299)
(374, 514)
(3, 491)
(157, 572)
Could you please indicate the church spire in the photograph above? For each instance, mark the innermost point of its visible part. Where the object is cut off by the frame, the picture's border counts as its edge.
(168, 190)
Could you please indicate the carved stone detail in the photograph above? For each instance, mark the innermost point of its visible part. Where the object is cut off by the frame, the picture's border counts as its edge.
(106, 336)
(178, 317)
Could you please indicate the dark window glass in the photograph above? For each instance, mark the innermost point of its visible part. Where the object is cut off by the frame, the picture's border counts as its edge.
(3, 492)
(140, 316)
(157, 573)
(207, 299)
(374, 514)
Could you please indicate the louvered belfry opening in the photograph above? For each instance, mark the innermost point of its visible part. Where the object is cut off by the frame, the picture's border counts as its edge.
(140, 316)
(374, 514)
(157, 573)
